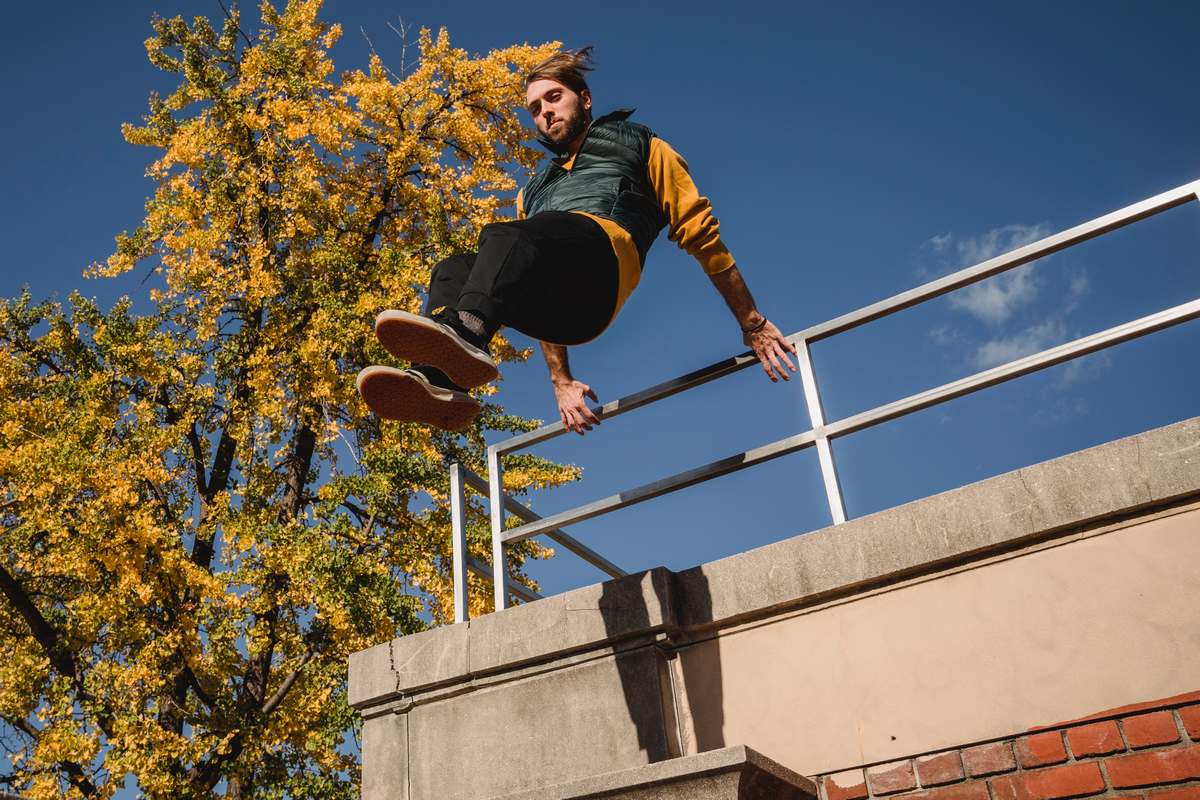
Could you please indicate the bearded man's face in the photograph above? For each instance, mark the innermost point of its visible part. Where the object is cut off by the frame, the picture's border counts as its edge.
(561, 115)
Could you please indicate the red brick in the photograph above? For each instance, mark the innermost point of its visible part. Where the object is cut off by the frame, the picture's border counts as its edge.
(1191, 720)
(1121, 711)
(1149, 769)
(1097, 739)
(1184, 793)
(1009, 787)
(989, 759)
(891, 778)
(940, 768)
(848, 785)
(1055, 783)
(1148, 730)
(1041, 749)
(972, 790)
(1070, 780)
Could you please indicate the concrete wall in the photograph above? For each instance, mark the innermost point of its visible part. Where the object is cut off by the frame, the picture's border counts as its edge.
(1044, 594)
(1100, 620)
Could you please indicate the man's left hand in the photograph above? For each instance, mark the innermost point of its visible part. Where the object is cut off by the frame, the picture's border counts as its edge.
(771, 347)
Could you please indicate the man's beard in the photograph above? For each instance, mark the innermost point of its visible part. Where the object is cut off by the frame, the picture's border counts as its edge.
(572, 126)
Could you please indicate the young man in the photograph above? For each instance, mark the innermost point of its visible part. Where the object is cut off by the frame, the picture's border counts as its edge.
(561, 271)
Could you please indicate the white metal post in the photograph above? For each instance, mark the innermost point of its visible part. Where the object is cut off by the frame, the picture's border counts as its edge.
(496, 502)
(458, 534)
(812, 397)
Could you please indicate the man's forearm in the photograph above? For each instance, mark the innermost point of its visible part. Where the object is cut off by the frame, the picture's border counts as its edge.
(737, 296)
(556, 360)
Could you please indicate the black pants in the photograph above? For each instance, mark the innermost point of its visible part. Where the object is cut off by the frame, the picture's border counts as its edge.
(552, 276)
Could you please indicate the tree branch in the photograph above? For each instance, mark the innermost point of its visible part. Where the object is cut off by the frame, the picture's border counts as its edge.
(47, 637)
(286, 685)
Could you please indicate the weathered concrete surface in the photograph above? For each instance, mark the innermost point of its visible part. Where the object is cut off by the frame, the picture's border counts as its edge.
(385, 749)
(597, 716)
(733, 773)
(635, 605)
(577, 685)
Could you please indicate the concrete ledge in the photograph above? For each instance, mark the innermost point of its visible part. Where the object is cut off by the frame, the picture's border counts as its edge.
(734, 773)
(1008, 510)
(1149, 469)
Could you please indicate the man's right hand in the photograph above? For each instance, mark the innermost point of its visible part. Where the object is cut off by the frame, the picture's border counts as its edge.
(572, 410)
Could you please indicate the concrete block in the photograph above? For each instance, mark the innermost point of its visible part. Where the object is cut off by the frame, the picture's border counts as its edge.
(371, 679)
(1086, 485)
(420, 659)
(733, 773)
(543, 729)
(599, 614)
(385, 758)
(1170, 457)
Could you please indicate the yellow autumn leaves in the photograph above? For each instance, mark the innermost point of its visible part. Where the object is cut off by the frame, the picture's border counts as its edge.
(199, 520)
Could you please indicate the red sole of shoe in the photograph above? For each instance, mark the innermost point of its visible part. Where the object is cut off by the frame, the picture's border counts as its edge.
(394, 395)
(425, 342)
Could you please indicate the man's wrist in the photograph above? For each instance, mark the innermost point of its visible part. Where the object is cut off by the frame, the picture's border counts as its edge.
(753, 322)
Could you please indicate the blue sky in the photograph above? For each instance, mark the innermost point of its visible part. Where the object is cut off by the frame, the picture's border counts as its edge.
(851, 151)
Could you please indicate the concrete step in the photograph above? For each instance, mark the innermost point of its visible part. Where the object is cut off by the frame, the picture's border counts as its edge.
(733, 773)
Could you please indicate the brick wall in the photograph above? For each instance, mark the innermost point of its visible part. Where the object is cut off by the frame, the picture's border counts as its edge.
(1150, 751)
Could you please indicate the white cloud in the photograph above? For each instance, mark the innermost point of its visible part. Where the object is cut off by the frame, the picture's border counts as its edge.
(1002, 349)
(999, 299)
(994, 300)
(944, 335)
(1083, 369)
(1077, 289)
(940, 242)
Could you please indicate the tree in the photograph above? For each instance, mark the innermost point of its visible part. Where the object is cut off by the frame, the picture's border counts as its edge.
(200, 519)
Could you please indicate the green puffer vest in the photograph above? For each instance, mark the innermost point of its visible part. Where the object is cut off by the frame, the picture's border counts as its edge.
(608, 179)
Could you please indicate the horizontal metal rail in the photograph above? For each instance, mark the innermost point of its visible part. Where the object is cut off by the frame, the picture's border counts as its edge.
(1013, 369)
(1010, 260)
(1018, 367)
(636, 400)
(821, 433)
(674, 483)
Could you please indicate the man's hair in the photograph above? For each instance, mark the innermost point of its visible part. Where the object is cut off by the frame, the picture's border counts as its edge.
(566, 67)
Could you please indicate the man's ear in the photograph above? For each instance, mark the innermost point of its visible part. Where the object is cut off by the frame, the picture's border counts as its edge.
(585, 97)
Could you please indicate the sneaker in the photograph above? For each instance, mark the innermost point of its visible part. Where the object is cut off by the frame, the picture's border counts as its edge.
(409, 395)
(442, 341)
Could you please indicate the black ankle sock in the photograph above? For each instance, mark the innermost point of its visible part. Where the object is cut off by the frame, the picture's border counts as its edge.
(438, 378)
(469, 325)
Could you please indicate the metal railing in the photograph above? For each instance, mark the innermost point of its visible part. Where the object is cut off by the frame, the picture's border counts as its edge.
(821, 432)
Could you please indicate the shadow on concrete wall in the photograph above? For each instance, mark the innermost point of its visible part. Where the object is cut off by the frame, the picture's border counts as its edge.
(675, 704)
(700, 664)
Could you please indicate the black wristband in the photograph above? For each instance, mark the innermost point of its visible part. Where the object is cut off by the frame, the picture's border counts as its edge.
(757, 327)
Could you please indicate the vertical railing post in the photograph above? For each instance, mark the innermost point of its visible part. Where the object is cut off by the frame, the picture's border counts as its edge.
(812, 397)
(458, 533)
(496, 502)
